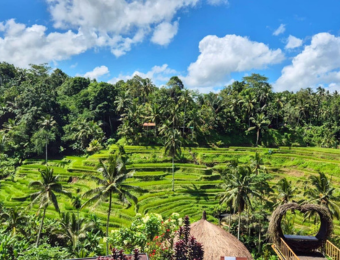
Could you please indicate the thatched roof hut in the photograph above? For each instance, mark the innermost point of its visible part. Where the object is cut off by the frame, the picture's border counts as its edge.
(301, 243)
(216, 241)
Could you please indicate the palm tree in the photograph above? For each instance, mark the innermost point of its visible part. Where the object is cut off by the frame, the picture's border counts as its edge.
(185, 99)
(172, 147)
(46, 194)
(257, 163)
(114, 174)
(85, 131)
(261, 122)
(123, 101)
(12, 219)
(286, 191)
(240, 185)
(72, 228)
(47, 123)
(323, 193)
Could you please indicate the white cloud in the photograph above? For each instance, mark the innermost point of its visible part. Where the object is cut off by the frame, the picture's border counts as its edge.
(117, 24)
(164, 33)
(217, 2)
(120, 23)
(23, 45)
(280, 30)
(97, 72)
(318, 63)
(158, 74)
(221, 56)
(293, 42)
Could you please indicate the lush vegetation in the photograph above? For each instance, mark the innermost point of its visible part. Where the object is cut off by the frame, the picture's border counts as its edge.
(77, 161)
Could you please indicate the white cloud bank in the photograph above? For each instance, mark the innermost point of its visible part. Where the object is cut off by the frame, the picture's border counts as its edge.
(97, 72)
(280, 30)
(318, 63)
(221, 56)
(85, 24)
(23, 45)
(293, 42)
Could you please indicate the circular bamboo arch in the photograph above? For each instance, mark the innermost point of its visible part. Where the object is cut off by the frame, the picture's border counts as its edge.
(303, 244)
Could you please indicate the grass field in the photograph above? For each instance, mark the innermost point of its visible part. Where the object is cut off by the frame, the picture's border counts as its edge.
(196, 185)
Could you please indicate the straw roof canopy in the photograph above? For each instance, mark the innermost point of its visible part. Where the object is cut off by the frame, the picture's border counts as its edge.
(217, 242)
(326, 227)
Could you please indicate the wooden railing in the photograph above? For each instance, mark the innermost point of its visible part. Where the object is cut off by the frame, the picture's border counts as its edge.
(332, 251)
(284, 252)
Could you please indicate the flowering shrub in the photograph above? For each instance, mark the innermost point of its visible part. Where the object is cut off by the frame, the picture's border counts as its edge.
(144, 230)
(156, 237)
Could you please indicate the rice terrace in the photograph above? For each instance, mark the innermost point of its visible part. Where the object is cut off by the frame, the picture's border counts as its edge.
(169, 130)
(196, 185)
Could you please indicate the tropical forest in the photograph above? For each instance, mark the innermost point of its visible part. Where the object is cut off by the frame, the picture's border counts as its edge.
(93, 169)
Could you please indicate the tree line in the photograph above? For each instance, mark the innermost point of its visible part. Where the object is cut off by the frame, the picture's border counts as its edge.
(44, 111)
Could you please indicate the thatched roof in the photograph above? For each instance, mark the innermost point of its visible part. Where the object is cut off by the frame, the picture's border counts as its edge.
(216, 241)
(326, 227)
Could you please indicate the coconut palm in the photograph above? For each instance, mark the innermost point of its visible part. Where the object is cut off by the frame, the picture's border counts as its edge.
(47, 123)
(72, 228)
(257, 163)
(323, 193)
(239, 185)
(261, 122)
(285, 191)
(12, 219)
(48, 186)
(172, 147)
(114, 174)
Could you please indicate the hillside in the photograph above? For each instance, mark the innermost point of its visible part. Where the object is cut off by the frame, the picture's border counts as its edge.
(196, 185)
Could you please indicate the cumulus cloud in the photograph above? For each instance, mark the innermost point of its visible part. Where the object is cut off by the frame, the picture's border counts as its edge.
(221, 56)
(85, 24)
(281, 29)
(121, 23)
(158, 74)
(164, 33)
(318, 63)
(293, 42)
(97, 72)
(23, 45)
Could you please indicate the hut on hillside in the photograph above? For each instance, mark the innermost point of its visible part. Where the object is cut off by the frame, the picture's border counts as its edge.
(217, 242)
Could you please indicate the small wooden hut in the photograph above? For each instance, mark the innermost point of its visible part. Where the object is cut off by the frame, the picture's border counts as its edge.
(217, 242)
(301, 243)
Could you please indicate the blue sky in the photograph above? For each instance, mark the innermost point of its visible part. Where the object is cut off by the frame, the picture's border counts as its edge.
(208, 43)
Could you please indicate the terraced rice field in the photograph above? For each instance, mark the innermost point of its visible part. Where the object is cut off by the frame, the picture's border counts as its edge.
(196, 182)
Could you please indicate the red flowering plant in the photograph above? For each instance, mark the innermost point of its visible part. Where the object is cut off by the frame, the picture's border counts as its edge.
(151, 234)
(162, 245)
(186, 248)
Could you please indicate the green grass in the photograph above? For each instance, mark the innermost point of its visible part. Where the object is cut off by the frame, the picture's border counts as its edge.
(196, 186)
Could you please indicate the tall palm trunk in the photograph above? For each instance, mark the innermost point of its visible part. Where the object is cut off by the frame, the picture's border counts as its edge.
(259, 250)
(239, 225)
(249, 222)
(173, 172)
(46, 150)
(107, 225)
(41, 225)
(257, 136)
